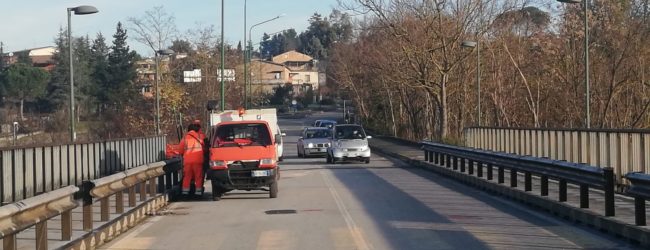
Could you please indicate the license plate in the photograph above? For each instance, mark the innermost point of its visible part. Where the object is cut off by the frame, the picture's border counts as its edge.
(260, 173)
(321, 150)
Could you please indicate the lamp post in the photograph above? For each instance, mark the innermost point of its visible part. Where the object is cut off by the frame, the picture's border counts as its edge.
(587, 91)
(79, 10)
(249, 55)
(245, 59)
(162, 52)
(223, 61)
(472, 44)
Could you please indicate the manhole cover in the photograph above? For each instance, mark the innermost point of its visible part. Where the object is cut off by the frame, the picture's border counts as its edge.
(281, 211)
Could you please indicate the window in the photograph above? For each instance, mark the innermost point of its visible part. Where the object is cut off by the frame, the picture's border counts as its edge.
(277, 76)
(238, 135)
(307, 78)
(317, 133)
(350, 132)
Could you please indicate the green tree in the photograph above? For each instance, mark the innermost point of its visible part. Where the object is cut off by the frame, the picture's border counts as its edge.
(58, 86)
(25, 82)
(99, 63)
(182, 46)
(121, 69)
(23, 57)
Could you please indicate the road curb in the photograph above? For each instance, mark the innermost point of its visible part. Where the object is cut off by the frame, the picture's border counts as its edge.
(610, 225)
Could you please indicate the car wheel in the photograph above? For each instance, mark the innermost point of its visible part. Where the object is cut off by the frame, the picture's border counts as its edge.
(273, 192)
(216, 191)
(367, 160)
(329, 159)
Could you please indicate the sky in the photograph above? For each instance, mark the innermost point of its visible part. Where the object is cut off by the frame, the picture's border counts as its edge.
(35, 23)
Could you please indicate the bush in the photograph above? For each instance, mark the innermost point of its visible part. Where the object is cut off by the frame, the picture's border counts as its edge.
(327, 101)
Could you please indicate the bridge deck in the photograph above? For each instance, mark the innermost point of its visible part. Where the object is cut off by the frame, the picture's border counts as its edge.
(383, 205)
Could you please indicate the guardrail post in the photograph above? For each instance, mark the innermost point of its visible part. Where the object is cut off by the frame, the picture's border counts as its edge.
(436, 158)
(479, 169)
(104, 205)
(430, 156)
(462, 165)
(639, 211)
(562, 187)
(513, 177)
(608, 174)
(426, 156)
(66, 225)
(544, 186)
(176, 180)
(500, 175)
(442, 159)
(489, 171)
(9, 242)
(143, 191)
(447, 161)
(119, 202)
(584, 196)
(132, 201)
(528, 182)
(87, 210)
(152, 187)
(161, 184)
(456, 163)
(470, 167)
(41, 235)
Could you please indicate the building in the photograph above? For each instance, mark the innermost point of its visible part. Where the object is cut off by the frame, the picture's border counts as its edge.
(41, 57)
(287, 69)
(146, 74)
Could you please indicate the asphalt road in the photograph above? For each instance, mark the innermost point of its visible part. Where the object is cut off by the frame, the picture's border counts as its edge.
(381, 205)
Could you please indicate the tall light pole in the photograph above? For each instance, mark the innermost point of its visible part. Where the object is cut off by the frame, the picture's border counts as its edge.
(587, 91)
(79, 10)
(245, 59)
(250, 51)
(223, 61)
(472, 44)
(162, 52)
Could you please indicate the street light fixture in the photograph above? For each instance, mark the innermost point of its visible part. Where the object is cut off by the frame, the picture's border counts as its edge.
(79, 10)
(247, 58)
(162, 52)
(587, 91)
(472, 44)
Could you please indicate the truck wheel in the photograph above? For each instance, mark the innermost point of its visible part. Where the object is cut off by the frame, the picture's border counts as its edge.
(273, 190)
(281, 158)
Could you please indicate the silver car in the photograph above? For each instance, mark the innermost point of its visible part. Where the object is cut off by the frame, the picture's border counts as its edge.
(314, 141)
(349, 142)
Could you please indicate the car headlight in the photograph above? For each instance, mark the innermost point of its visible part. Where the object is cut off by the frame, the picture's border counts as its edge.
(364, 148)
(267, 161)
(327, 145)
(310, 145)
(344, 149)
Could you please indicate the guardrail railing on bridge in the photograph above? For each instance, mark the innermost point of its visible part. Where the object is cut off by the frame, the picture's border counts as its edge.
(624, 150)
(564, 172)
(640, 190)
(151, 179)
(29, 171)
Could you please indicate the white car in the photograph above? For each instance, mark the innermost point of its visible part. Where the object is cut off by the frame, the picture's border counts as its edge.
(314, 141)
(348, 142)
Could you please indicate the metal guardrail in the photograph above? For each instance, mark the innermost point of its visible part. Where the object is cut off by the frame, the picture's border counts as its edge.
(624, 150)
(151, 179)
(29, 171)
(640, 190)
(36, 211)
(564, 172)
(143, 177)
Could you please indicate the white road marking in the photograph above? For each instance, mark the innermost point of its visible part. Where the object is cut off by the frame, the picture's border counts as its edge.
(359, 240)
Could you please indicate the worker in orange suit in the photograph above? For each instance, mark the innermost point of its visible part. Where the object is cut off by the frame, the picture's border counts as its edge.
(192, 148)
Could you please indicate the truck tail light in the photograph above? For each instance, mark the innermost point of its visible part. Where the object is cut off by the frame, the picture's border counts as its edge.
(267, 163)
(218, 165)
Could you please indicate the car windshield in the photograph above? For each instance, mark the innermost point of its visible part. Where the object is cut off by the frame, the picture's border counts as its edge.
(317, 133)
(350, 132)
(327, 124)
(239, 135)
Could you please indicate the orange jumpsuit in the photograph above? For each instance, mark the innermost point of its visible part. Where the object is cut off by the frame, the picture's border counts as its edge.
(192, 147)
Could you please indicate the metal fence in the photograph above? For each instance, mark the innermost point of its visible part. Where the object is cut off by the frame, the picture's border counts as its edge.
(623, 150)
(29, 171)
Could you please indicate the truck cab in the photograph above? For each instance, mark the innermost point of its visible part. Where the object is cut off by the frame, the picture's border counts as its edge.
(244, 152)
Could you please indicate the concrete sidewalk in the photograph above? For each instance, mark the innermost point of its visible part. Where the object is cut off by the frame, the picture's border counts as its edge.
(624, 204)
